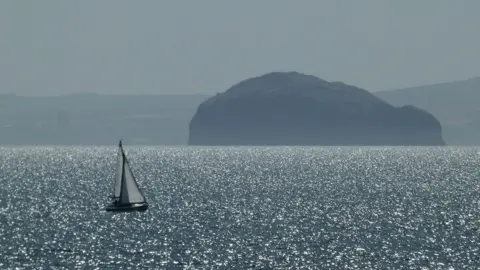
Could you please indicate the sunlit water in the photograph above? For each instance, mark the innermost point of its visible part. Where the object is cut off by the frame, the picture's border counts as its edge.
(243, 208)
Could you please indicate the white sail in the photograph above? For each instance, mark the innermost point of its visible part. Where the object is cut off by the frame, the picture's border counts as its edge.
(118, 174)
(130, 193)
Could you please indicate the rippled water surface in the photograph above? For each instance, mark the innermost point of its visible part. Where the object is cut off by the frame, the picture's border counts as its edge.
(249, 208)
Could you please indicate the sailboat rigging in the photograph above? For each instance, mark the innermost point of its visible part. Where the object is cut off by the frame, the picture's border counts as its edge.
(127, 196)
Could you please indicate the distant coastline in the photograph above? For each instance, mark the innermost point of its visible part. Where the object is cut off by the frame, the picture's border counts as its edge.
(32, 120)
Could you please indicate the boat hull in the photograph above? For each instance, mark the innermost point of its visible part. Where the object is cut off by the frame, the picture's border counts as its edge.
(127, 208)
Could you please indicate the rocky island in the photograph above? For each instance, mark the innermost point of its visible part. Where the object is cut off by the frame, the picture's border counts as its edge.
(290, 108)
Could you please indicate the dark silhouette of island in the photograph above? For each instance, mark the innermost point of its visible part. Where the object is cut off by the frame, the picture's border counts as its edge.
(289, 108)
(454, 104)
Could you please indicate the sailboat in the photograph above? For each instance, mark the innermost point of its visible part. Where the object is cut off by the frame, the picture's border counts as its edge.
(127, 196)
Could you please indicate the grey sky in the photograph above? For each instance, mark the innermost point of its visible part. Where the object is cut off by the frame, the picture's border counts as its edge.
(155, 46)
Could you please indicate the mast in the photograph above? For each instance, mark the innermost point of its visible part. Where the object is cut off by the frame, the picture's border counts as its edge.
(122, 182)
(117, 174)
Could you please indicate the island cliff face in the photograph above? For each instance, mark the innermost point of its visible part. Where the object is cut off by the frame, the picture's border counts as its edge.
(289, 108)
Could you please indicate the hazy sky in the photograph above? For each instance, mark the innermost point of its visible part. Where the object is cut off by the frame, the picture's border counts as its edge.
(156, 46)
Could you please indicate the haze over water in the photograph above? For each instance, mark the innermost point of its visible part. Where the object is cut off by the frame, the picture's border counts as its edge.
(53, 47)
(251, 208)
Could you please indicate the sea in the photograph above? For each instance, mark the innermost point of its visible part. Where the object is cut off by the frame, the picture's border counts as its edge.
(243, 208)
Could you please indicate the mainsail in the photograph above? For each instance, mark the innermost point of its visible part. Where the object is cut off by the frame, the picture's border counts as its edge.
(118, 173)
(129, 191)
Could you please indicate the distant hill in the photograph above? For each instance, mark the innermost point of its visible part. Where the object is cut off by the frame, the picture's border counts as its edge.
(290, 108)
(91, 119)
(455, 104)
